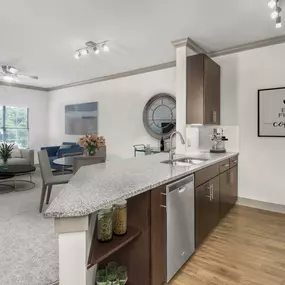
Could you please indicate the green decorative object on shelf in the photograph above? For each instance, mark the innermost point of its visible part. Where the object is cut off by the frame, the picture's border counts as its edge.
(6, 151)
(112, 275)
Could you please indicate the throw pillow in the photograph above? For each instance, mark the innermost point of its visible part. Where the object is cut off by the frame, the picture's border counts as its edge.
(64, 146)
(16, 153)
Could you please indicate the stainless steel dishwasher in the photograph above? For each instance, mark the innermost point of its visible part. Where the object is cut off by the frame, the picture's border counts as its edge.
(180, 224)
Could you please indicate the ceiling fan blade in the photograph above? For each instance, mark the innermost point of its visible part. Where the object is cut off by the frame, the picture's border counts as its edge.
(27, 76)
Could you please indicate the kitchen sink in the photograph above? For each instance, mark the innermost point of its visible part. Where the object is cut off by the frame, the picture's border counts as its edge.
(185, 161)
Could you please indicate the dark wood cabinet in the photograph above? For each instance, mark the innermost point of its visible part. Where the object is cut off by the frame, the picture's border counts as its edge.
(206, 209)
(225, 193)
(158, 236)
(203, 90)
(228, 190)
(233, 185)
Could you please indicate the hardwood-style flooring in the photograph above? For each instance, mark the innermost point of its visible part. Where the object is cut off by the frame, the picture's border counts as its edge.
(248, 247)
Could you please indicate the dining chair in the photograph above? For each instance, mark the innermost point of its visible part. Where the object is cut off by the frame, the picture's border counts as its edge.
(79, 161)
(48, 178)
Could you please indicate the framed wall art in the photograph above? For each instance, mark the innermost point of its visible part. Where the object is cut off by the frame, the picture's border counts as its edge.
(81, 119)
(271, 112)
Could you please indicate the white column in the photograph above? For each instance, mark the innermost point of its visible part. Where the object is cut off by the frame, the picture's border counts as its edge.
(74, 241)
(181, 85)
(184, 47)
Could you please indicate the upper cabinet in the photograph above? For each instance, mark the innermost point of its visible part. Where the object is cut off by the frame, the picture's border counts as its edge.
(203, 90)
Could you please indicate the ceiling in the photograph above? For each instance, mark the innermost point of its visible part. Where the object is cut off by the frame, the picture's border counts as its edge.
(40, 37)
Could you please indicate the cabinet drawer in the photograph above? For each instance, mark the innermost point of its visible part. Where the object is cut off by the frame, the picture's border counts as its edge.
(206, 174)
(233, 161)
(224, 165)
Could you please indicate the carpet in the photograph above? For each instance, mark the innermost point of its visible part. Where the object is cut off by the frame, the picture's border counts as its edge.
(28, 244)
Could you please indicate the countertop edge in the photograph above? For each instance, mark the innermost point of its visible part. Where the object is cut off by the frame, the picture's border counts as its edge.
(91, 210)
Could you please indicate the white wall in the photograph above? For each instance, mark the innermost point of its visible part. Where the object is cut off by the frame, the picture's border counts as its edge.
(261, 171)
(121, 102)
(37, 102)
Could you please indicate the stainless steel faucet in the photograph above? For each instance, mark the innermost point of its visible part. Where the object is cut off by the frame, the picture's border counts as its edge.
(171, 152)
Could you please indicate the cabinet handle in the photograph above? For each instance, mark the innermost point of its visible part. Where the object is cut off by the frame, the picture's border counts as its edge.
(230, 177)
(235, 161)
(164, 194)
(162, 206)
(214, 116)
(210, 192)
(225, 165)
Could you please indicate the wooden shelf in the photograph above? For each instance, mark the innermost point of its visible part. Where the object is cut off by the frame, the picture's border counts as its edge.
(100, 251)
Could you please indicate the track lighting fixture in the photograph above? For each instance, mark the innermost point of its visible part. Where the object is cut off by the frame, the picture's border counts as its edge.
(275, 15)
(91, 46)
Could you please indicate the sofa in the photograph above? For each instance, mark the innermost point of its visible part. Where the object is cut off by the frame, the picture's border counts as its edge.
(21, 157)
(66, 149)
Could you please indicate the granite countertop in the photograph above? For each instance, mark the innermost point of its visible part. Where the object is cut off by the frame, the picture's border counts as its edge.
(97, 186)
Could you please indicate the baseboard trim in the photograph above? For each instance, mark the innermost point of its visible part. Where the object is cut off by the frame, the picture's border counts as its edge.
(261, 205)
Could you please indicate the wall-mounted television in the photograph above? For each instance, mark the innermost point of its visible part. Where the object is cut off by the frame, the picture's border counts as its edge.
(81, 119)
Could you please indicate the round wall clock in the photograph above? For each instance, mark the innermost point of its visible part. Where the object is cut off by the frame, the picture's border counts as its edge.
(159, 115)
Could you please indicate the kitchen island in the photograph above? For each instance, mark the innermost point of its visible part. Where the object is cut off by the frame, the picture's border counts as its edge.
(141, 181)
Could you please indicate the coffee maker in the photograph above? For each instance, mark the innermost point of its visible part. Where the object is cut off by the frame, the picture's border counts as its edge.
(218, 140)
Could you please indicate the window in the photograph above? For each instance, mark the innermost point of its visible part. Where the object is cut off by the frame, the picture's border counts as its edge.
(14, 125)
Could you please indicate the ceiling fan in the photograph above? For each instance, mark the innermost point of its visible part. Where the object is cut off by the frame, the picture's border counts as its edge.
(11, 74)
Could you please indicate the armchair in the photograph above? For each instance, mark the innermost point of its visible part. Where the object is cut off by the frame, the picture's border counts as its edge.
(55, 152)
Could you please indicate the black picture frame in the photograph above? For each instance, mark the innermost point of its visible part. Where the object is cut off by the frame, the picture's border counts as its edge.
(258, 113)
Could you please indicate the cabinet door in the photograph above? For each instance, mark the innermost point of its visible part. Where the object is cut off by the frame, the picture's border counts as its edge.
(195, 89)
(233, 186)
(225, 193)
(212, 88)
(206, 209)
(215, 202)
(158, 236)
(202, 213)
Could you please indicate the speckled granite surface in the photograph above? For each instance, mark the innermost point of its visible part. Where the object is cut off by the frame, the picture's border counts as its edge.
(97, 186)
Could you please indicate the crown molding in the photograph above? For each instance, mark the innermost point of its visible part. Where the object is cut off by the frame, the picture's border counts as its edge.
(249, 46)
(116, 76)
(30, 87)
(188, 43)
(177, 43)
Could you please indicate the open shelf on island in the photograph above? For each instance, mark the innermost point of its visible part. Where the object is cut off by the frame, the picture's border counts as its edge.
(100, 251)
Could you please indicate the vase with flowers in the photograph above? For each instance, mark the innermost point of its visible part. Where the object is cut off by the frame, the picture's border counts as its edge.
(91, 143)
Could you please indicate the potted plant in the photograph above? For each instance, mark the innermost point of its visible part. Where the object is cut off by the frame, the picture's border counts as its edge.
(91, 143)
(6, 151)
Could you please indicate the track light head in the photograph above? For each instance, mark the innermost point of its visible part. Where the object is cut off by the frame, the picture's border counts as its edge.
(77, 54)
(105, 47)
(272, 4)
(84, 51)
(276, 12)
(90, 46)
(96, 50)
(278, 22)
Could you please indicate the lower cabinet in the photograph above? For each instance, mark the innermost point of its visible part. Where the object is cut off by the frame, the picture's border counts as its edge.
(228, 190)
(214, 198)
(207, 211)
(158, 236)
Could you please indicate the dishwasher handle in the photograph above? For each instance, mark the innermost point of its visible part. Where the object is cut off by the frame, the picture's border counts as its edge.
(180, 184)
